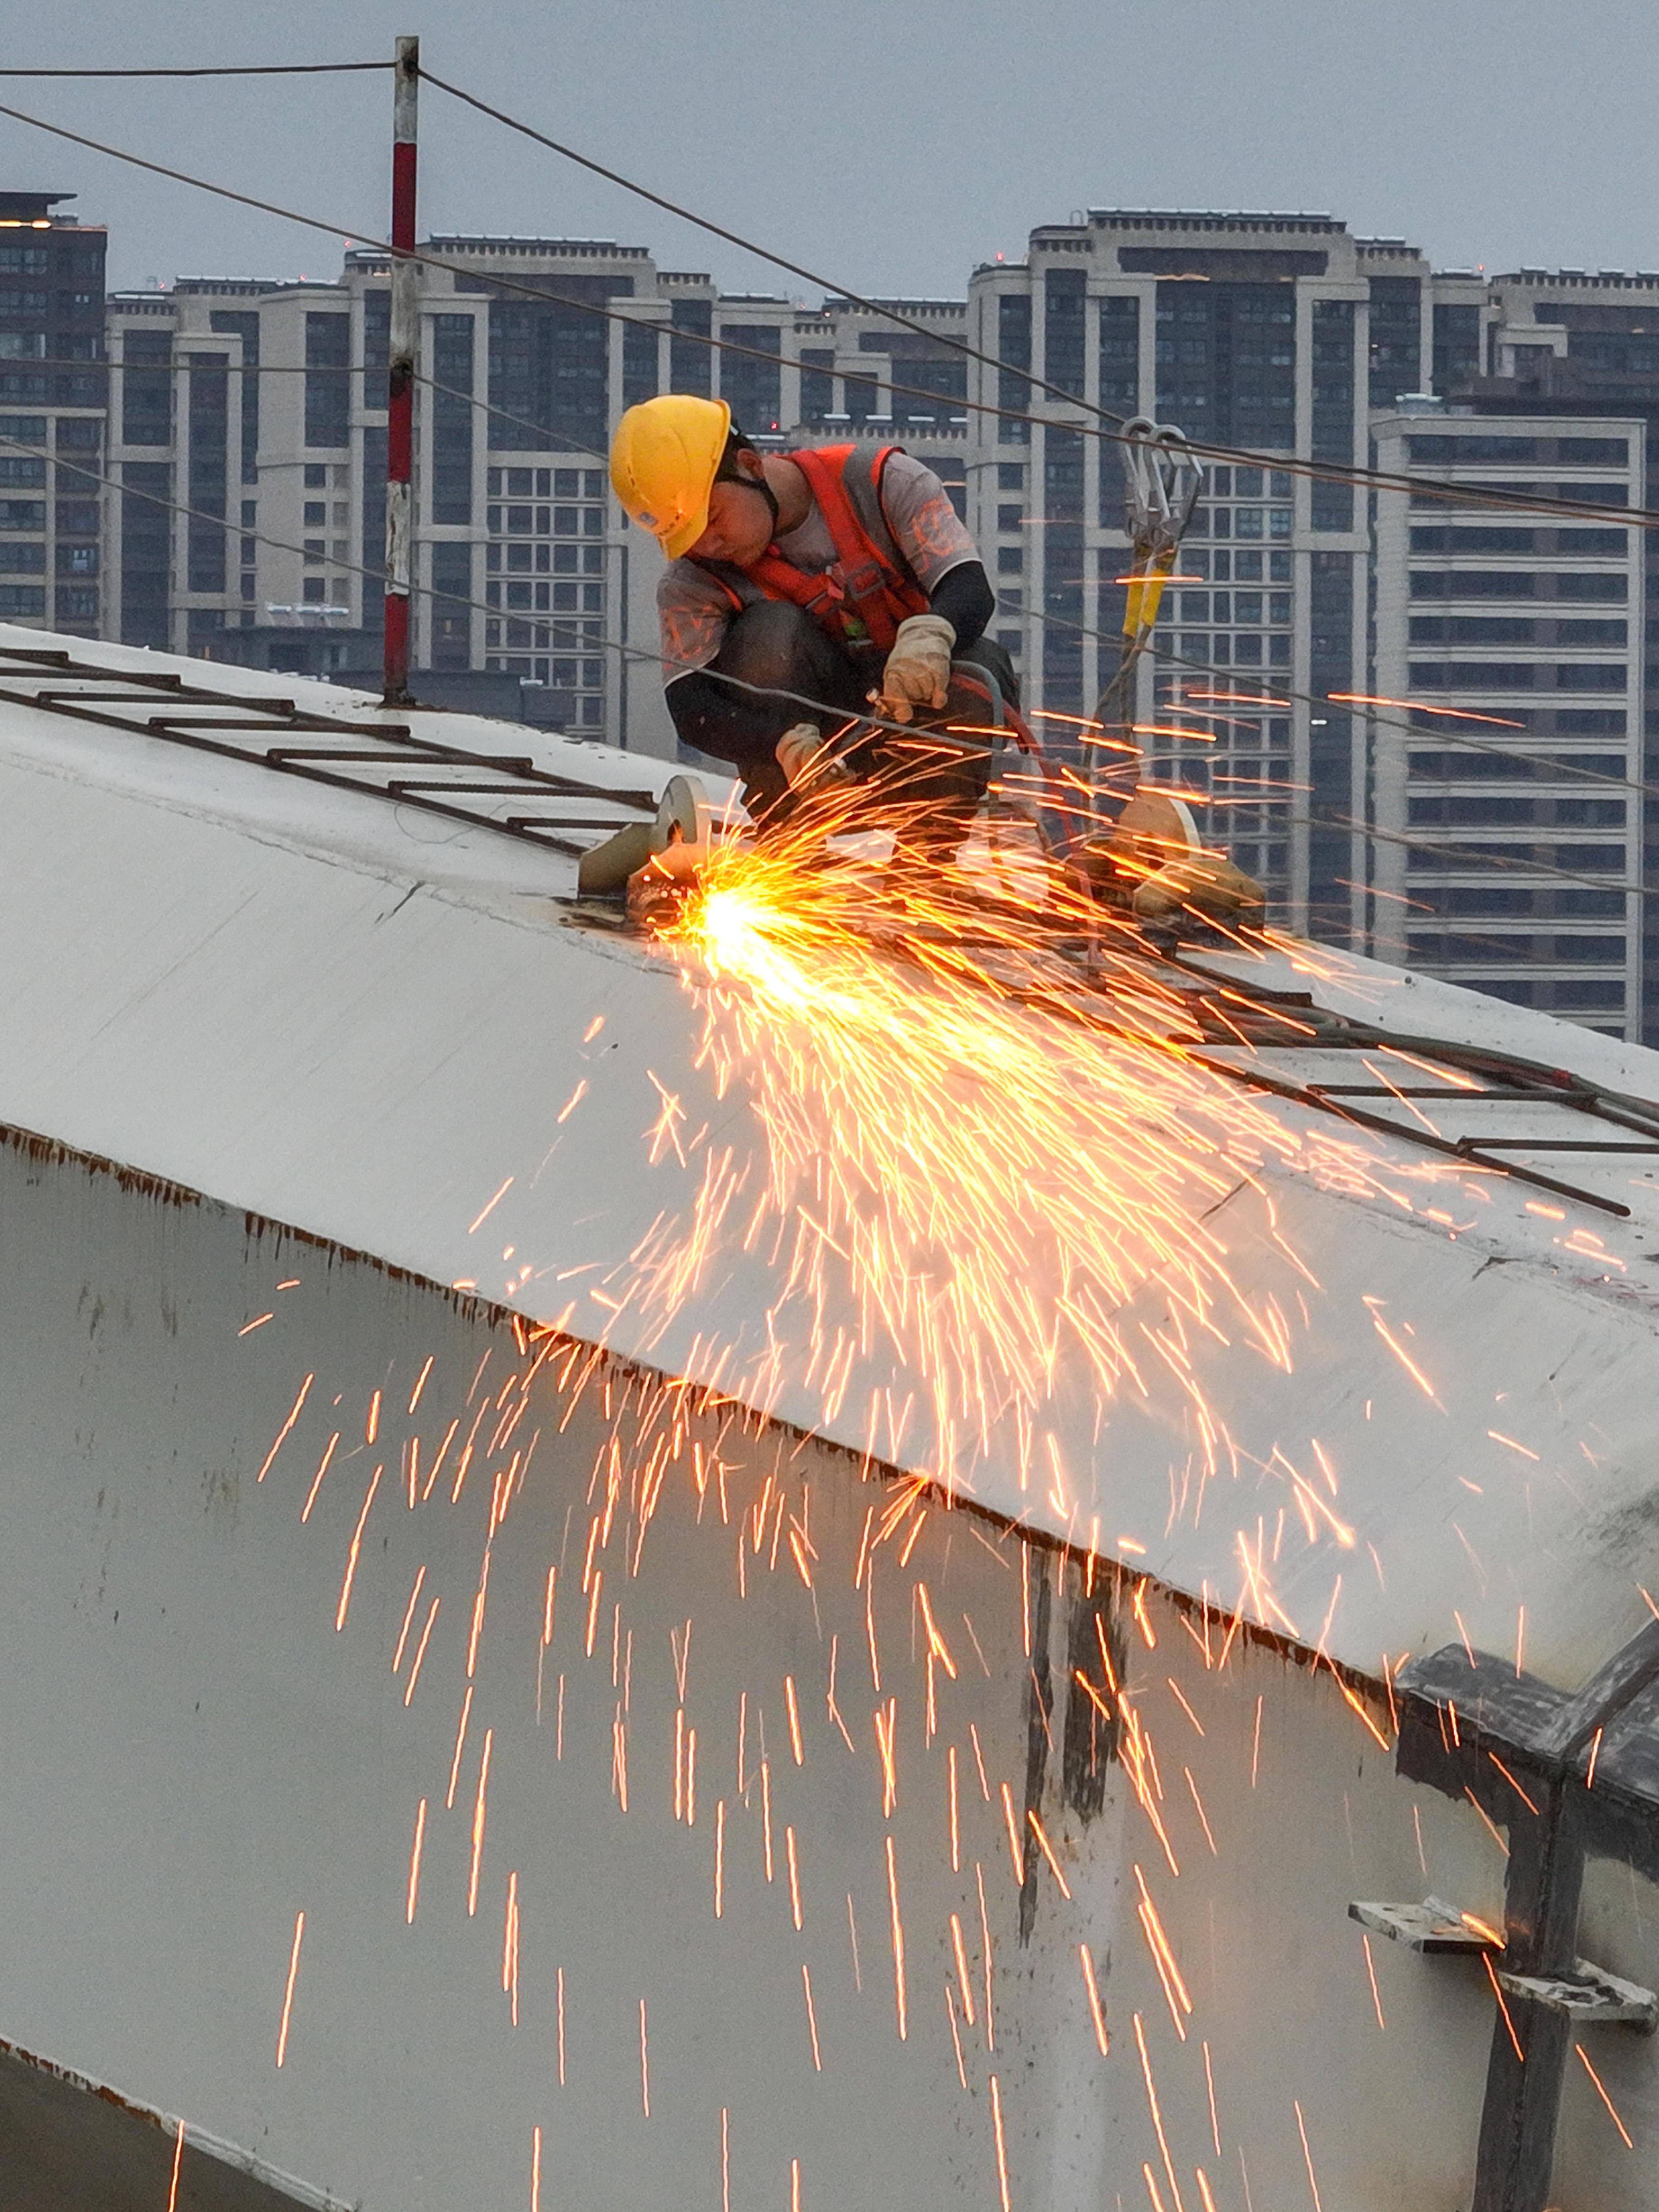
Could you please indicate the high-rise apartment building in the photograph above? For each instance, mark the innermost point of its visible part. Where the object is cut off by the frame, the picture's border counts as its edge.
(1506, 819)
(1277, 333)
(243, 435)
(1583, 347)
(51, 415)
(259, 408)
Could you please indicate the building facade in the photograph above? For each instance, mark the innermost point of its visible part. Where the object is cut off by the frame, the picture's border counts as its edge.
(1279, 333)
(52, 400)
(1506, 824)
(259, 408)
(218, 488)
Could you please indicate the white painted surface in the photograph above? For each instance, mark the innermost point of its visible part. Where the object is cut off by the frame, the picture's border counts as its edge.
(192, 1754)
(288, 1001)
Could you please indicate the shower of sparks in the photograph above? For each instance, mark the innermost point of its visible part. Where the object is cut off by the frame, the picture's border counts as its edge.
(1008, 1179)
(989, 1161)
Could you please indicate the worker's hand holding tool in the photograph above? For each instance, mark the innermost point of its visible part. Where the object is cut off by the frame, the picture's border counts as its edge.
(807, 761)
(918, 670)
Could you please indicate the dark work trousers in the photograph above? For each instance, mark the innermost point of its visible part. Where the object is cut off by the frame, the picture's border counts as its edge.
(934, 779)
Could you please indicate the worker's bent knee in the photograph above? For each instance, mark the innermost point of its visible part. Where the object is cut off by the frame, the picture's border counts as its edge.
(776, 646)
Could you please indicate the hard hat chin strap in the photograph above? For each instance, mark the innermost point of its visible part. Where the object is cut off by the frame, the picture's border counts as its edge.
(729, 472)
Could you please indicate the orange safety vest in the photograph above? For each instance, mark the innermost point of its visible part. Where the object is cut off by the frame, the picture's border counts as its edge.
(876, 590)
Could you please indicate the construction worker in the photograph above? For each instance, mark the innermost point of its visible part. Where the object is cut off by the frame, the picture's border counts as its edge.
(839, 576)
(808, 590)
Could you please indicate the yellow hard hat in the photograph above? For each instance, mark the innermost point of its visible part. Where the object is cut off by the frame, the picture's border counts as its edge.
(663, 463)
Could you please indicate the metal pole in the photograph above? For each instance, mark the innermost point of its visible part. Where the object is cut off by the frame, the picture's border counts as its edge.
(400, 396)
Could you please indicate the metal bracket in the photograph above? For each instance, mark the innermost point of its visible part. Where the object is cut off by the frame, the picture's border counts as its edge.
(1434, 1928)
(1590, 1997)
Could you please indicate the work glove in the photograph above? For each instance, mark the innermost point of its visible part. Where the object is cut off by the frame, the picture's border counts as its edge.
(807, 762)
(918, 670)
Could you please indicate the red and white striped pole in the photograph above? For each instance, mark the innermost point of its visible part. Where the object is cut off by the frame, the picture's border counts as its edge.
(400, 397)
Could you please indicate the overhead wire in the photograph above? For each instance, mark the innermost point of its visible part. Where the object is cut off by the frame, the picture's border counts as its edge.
(220, 69)
(577, 647)
(563, 619)
(1563, 766)
(227, 68)
(1436, 735)
(1364, 479)
(886, 309)
(891, 312)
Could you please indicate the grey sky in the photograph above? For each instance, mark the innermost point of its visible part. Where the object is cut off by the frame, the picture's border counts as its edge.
(891, 146)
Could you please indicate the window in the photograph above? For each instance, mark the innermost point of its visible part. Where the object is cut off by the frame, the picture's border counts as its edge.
(817, 383)
(1120, 354)
(316, 476)
(753, 389)
(1063, 329)
(690, 363)
(1590, 676)
(1334, 384)
(313, 590)
(146, 391)
(24, 557)
(21, 469)
(26, 601)
(1014, 347)
(1011, 476)
(313, 552)
(245, 325)
(327, 382)
(77, 603)
(1472, 629)
(77, 518)
(22, 514)
(451, 418)
(77, 560)
(1442, 540)
(1396, 338)
(316, 514)
(1226, 362)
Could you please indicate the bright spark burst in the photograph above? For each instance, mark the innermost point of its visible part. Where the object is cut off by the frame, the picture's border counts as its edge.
(992, 1162)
